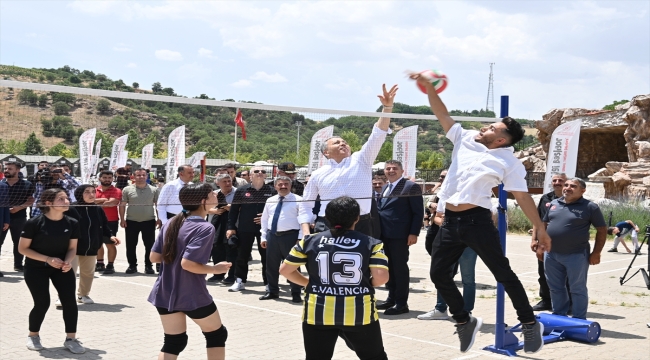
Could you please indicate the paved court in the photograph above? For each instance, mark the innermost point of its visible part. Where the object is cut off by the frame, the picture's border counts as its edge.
(123, 325)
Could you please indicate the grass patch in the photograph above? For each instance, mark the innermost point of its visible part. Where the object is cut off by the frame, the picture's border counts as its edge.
(593, 302)
(641, 294)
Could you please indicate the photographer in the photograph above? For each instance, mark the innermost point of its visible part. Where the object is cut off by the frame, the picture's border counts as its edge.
(218, 217)
(50, 178)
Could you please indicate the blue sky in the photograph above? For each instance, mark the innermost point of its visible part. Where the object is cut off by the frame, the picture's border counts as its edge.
(337, 54)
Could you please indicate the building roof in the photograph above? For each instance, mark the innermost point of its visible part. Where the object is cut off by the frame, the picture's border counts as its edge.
(37, 158)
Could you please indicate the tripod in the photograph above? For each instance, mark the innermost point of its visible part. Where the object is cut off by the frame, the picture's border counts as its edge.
(644, 273)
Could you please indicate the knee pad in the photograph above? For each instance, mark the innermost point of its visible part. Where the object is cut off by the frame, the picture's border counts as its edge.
(216, 338)
(174, 344)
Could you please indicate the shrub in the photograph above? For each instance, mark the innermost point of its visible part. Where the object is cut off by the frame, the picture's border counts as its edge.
(41, 78)
(61, 108)
(28, 96)
(101, 77)
(63, 97)
(75, 79)
(50, 77)
(103, 106)
(42, 100)
(89, 74)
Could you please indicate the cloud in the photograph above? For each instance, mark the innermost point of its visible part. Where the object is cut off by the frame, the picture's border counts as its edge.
(132, 65)
(121, 48)
(271, 78)
(205, 53)
(242, 83)
(168, 55)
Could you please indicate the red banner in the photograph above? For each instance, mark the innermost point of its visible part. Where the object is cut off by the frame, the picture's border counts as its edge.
(239, 120)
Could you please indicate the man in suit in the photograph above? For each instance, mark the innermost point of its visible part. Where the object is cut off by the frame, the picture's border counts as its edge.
(378, 182)
(400, 210)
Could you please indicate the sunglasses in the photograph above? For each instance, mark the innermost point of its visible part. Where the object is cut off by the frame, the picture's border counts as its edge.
(259, 171)
(442, 176)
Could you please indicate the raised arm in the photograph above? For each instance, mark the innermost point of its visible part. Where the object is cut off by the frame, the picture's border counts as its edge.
(437, 106)
(387, 101)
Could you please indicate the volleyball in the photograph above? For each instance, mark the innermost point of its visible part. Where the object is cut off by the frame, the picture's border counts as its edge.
(437, 78)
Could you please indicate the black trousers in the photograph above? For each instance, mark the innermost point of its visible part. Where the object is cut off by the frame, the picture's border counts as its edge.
(15, 228)
(473, 228)
(222, 252)
(37, 278)
(431, 235)
(132, 232)
(277, 249)
(364, 225)
(397, 251)
(366, 340)
(246, 240)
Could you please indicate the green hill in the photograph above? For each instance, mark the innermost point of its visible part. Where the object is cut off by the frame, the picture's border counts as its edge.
(271, 134)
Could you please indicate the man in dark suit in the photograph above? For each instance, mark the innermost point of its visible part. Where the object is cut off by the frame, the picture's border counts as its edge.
(378, 182)
(401, 210)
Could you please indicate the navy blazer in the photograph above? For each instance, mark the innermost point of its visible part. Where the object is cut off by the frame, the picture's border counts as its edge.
(401, 216)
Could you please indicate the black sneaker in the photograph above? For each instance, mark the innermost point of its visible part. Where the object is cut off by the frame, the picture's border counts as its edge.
(543, 305)
(19, 268)
(467, 332)
(149, 270)
(215, 278)
(109, 269)
(100, 267)
(612, 250)
(2, 275)
(228, 281)
(129, 270)
(533, 337)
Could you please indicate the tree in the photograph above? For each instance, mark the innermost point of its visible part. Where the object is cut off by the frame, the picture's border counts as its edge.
(61, 108)
(101, 77)
(42, 100)
(103, 106)
(2, 146)
(169, 91)
(612, 106)
(136, 85)
(75, 79)
(33, 145)
(15, 147)
(386, 151)
(156, 87)
(352, 139)
(56, 150)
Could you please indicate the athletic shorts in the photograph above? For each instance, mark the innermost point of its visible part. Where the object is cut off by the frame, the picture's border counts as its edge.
(199, 313)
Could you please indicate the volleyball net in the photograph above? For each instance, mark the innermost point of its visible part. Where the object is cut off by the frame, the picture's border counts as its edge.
(86, 130)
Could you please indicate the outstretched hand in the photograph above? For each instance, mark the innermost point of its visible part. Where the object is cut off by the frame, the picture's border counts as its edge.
(420, 79)
(388, 96)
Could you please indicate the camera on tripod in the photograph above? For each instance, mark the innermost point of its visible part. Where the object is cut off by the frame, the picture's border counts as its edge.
(647, 230)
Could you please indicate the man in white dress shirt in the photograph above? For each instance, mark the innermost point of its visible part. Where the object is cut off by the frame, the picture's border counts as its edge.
(481, 160)
(168, 203)
(346, 174)
(280, 231)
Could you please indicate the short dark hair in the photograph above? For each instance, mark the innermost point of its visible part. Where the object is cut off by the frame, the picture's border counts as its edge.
(230, 165)
(342, 213)
(43, 162)
(106, 172)
(513, 130)
(140, 169)
(14, 163)
(380, 172)
(394, 162)
(182, 168)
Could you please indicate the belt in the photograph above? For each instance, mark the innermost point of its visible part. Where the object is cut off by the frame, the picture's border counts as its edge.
(282, 233)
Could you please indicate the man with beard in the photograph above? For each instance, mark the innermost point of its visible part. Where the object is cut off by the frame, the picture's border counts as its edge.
(19, 198)
(53, 177)
(108, 196)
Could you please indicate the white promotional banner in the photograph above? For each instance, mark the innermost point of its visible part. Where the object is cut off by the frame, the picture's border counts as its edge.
(147, 157)
(196, 158)
(405, 148)
(116, 152)
(175, 151)
(86, 141)
(316, 158)
(562, 152)
(96, 156)
(121, 161)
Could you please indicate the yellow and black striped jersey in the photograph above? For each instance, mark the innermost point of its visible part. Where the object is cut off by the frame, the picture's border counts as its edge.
(339, 290)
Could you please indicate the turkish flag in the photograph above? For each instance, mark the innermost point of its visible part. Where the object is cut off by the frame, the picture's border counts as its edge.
(239, 120)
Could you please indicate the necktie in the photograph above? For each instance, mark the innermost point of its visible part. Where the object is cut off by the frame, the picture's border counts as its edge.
(276, 216)
(384, 199)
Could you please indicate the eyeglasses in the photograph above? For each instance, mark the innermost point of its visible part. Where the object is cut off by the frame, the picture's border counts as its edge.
(259, 171)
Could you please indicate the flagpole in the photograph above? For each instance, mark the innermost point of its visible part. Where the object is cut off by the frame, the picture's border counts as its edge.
(234, 153)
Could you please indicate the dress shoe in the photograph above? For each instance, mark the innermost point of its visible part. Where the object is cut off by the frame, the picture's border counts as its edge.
(385, 305)
(397, 309)
(296, 298)
(543, 306)
(269, 296)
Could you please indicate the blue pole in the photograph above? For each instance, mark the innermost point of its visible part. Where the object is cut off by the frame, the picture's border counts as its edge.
(500, 326)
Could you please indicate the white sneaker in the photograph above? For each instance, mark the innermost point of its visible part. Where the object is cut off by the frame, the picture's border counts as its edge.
(237, 286)
(34, 343)
(74, 345)
(58, 304)
(434, 315)
(85, 300)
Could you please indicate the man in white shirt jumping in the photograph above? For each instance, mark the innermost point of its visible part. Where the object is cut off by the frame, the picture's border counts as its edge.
(346, 174)
(481, 160)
